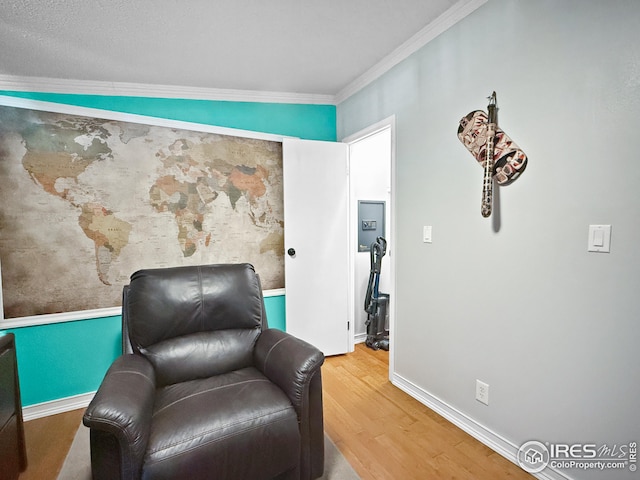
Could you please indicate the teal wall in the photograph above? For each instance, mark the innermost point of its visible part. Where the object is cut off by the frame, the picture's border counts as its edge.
(276, 312)
(64, 359)
(311, 122)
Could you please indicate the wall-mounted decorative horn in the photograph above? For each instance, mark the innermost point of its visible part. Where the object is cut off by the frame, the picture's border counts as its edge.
(498, 155)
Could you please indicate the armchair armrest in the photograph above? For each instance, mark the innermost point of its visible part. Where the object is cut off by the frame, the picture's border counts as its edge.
(119, 417)
(294, 365)
(288, 362)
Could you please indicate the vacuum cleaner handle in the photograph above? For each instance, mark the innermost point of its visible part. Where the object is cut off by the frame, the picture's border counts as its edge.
(383, 243)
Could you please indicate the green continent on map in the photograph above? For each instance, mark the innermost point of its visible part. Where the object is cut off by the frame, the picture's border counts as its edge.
(109, 235)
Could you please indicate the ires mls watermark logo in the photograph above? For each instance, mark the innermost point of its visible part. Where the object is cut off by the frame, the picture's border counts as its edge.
(534, 456)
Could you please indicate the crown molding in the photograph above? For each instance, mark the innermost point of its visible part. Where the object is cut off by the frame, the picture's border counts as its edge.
(92, 87)
(445, 21)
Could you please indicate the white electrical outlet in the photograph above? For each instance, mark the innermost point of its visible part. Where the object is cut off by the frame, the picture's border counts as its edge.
(482, 392)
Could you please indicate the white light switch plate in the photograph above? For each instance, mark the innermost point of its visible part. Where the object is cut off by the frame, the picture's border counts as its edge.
(426, 234)
(599, 238)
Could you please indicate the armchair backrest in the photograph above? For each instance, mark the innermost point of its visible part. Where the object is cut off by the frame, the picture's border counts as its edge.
(193, 322)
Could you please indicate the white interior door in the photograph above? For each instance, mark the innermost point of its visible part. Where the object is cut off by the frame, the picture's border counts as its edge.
(316, 196)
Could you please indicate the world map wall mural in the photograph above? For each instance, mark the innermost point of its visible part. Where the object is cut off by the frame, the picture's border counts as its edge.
(85, 202)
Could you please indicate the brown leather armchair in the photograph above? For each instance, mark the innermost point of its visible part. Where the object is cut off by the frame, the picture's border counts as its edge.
(204, 389)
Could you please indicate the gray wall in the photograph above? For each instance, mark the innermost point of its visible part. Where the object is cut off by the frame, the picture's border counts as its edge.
(516, 300)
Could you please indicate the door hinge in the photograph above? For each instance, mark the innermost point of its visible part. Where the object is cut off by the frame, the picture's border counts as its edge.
(348, 325)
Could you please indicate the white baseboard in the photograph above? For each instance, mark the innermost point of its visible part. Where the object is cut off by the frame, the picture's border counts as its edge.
(359, 338)
(54, 407)
(491, 439)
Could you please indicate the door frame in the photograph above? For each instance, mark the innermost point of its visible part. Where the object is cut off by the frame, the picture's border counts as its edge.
(389, 122)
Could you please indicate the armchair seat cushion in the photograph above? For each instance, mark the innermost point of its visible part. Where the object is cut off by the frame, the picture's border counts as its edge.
(234, 425)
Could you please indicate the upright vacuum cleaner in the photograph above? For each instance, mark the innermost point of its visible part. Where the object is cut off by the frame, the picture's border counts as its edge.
(376, 303)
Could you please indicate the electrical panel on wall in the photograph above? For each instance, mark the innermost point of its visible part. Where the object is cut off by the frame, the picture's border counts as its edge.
(371, 223)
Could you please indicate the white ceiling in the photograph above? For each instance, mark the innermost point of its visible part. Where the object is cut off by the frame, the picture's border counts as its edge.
(321, 48)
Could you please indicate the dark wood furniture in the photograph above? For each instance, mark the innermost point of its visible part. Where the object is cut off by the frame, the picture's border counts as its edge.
(13, 458)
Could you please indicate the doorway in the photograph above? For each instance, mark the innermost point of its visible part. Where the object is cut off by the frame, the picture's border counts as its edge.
(372, 176)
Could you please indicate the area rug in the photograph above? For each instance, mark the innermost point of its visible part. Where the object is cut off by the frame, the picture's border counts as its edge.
(77, 465)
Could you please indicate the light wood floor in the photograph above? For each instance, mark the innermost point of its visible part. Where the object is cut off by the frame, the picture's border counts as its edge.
(387, 435)
(384, 433)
